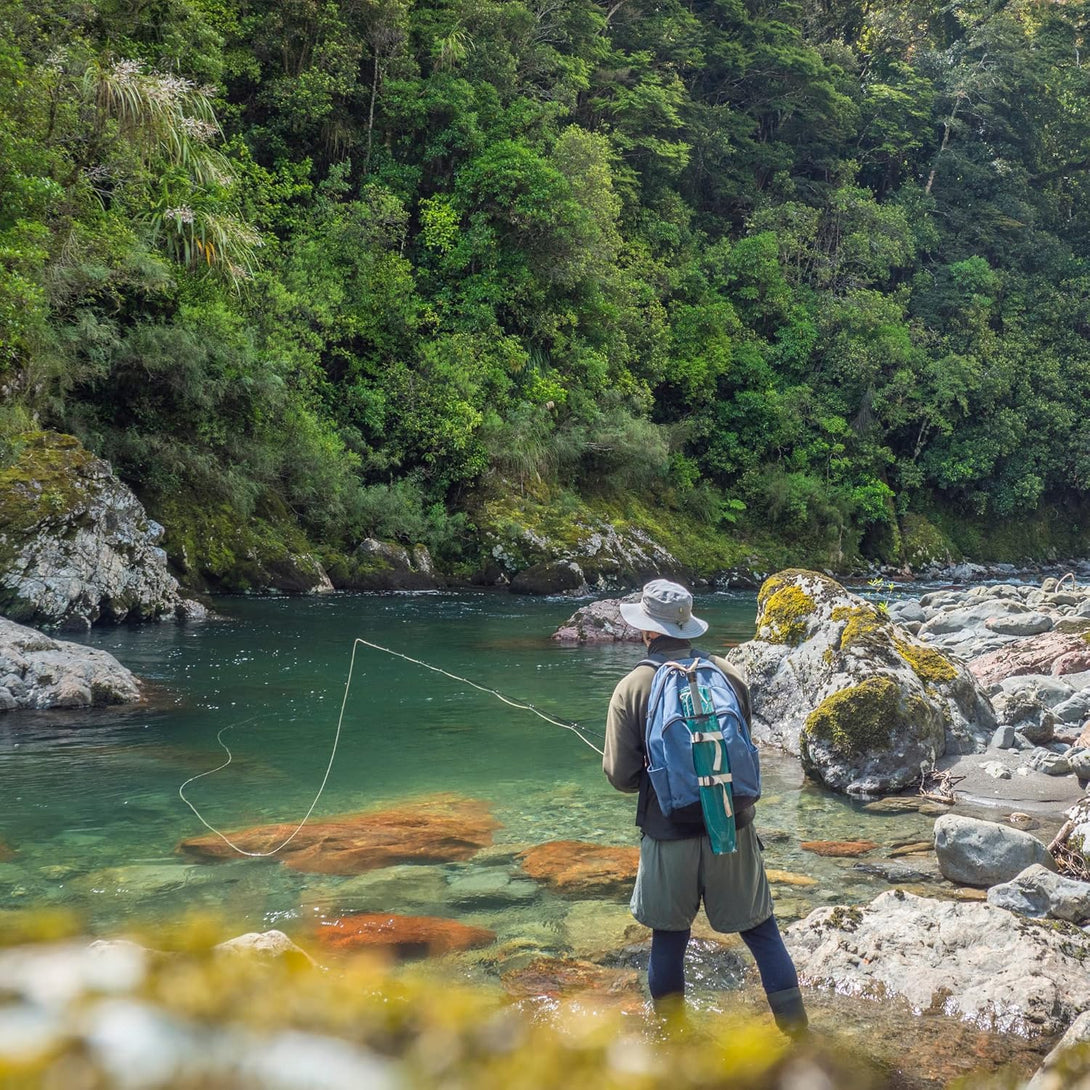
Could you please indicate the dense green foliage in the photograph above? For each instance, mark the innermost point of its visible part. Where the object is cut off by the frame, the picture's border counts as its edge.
(806, 266)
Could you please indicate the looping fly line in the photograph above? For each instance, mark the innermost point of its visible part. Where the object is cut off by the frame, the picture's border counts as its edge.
(521, 705)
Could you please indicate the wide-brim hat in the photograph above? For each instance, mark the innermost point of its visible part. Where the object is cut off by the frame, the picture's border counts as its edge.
(664, 607)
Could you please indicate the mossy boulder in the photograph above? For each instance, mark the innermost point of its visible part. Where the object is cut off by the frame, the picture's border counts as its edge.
(214, 549)
(76, 545)
(851, 735)
(864, 703)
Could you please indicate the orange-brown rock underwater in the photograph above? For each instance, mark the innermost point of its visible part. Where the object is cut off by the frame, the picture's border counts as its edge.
(401, 935)
(436, 829)
(576, 869)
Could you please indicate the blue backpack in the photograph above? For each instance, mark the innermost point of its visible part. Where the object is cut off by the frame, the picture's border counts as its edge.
(698, 744)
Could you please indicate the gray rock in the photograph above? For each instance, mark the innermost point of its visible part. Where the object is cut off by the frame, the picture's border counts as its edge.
(1079, 760)
(865, 704)
(385, 565)
(1026, 714)
(1074, 709)
(37, 671)
(77, 545)
(482, 887)
(1003, 738)
(984, 853)
(1026, 624)
(1039, 892)
(1052, 764)
(969, 960)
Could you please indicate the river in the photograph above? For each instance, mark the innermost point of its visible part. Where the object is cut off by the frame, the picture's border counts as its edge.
(92, 814)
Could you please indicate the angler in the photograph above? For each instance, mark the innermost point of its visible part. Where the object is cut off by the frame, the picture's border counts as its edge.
(680, 863)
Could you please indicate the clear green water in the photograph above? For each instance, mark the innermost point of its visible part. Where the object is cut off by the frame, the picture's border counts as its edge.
(92, 814)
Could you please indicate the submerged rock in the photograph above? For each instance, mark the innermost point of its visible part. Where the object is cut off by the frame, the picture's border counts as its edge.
(840, 848)
(982, 853)
(577, 869)
(969, 960)
(866, 705)
(568, 976)
(76, 546)
(406, 936)
(440, 829)
(37, 671)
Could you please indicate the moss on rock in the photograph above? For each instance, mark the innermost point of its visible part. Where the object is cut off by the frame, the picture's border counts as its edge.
(784, 613)
(863, 718)
(931, 666)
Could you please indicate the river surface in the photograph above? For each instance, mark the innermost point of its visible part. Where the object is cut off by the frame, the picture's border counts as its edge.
(91, 813)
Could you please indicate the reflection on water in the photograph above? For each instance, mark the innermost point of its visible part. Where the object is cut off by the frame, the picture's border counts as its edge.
(92, 815)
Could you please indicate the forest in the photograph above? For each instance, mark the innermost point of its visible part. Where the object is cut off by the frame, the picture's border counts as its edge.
(811, 272)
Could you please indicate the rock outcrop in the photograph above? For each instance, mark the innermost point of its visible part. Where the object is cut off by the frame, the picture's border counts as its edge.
(440, 829)
(969, 960)
(607, 555)
(76, 546)
(866, 705)
(385, 565)
(37, 671)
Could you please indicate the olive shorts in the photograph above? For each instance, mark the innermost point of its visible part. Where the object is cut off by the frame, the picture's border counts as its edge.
(674, 875)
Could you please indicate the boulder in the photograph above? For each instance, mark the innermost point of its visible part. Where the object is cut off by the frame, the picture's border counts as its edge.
(982, 853)
(599, 622)
(406, 936)
(37, 671)
(438, 829)
(576, 869)
(76, 546)
(551, 577)
(968, 960)
(406, 887)
(1038, 891)
(1052, 653)
(385, 565)
(866, 705)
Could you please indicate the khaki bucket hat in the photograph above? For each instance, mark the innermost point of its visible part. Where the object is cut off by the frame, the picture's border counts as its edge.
(664, 607)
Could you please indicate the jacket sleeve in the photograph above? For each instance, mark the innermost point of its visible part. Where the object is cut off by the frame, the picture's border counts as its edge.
(623, 761)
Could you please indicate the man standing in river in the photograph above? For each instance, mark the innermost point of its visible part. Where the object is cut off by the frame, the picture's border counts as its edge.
(677, 866)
